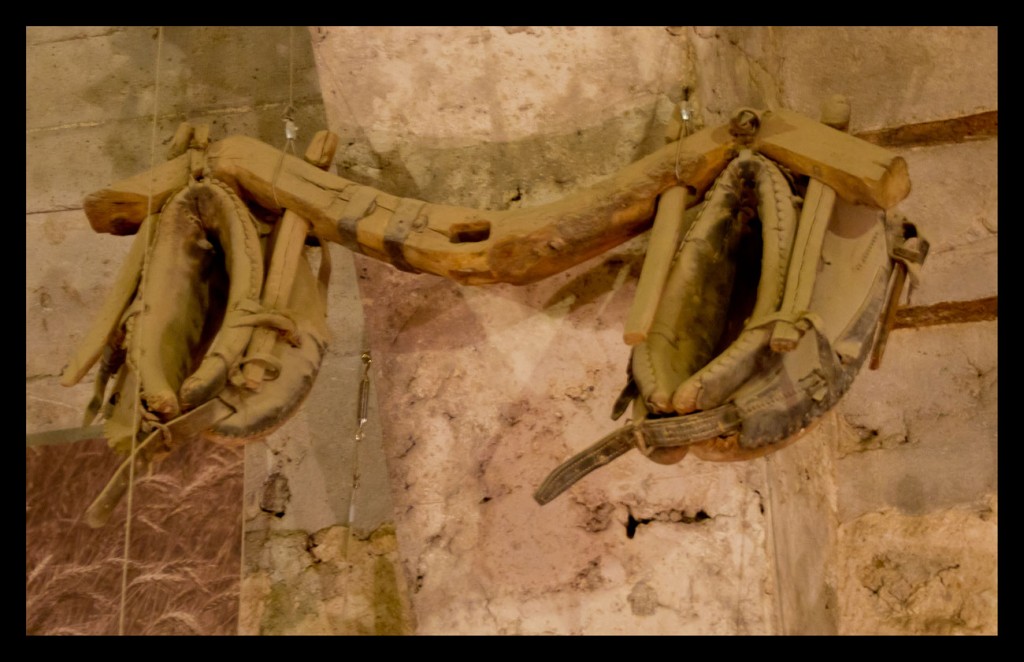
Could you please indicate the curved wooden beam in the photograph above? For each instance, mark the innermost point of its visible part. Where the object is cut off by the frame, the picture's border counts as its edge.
(477, 246)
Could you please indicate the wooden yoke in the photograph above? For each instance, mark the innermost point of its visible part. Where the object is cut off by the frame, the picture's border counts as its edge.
(519, 246)
(860, 173)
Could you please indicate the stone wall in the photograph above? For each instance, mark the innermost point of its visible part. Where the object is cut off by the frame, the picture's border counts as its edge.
(881, 520)
(488, 388)
(90, 97)
(916, 456)
(914, 453)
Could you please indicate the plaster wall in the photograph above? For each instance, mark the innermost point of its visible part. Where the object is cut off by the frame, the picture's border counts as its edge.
(916, 456)
(914, 450)
(484, 390)
(488, 388)
(882, 520)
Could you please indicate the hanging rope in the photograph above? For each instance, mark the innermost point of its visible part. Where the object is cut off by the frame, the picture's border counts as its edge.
(291, 66)
(291, 130)
(138, 320)
(685, 116)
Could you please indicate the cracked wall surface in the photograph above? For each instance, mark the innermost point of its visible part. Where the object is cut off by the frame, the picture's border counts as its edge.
(496, 385)
(914, 444)
(882, 520)
(485, 390)
(909, 574)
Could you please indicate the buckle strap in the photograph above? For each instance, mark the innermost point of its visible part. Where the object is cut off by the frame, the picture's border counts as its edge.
(689, 429)
(648, 435)
(907, 250)
(629, 393)
(581, 464)
(401, 224)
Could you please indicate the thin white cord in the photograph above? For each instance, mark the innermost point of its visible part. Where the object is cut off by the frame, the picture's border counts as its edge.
(136, 335)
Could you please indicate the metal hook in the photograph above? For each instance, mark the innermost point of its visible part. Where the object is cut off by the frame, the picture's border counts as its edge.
(364, 395)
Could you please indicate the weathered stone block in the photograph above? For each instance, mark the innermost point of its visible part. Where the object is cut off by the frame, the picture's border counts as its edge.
(241, 68)
(69, 270)
(59, 178)
(87, 77)
(931, 574)
(50, 406)
(954, 201)
(466, 85)
(41, 34)
(737, 66)
(319, 464)
(892, 75)
(115, 74)
(496, 386)
(921, 431)
(801, 517)
(326, 582)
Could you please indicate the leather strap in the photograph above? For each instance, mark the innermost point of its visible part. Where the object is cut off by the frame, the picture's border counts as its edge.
(399, 227)
(184, 427)
(360, 204)
(581, 464)
(647, 435)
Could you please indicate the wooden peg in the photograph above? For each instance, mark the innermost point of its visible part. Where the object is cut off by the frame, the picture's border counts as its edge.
(288, 242)
(197, 150)
(819, 202)
(180, 141)
(321, 149)
(668, 227)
